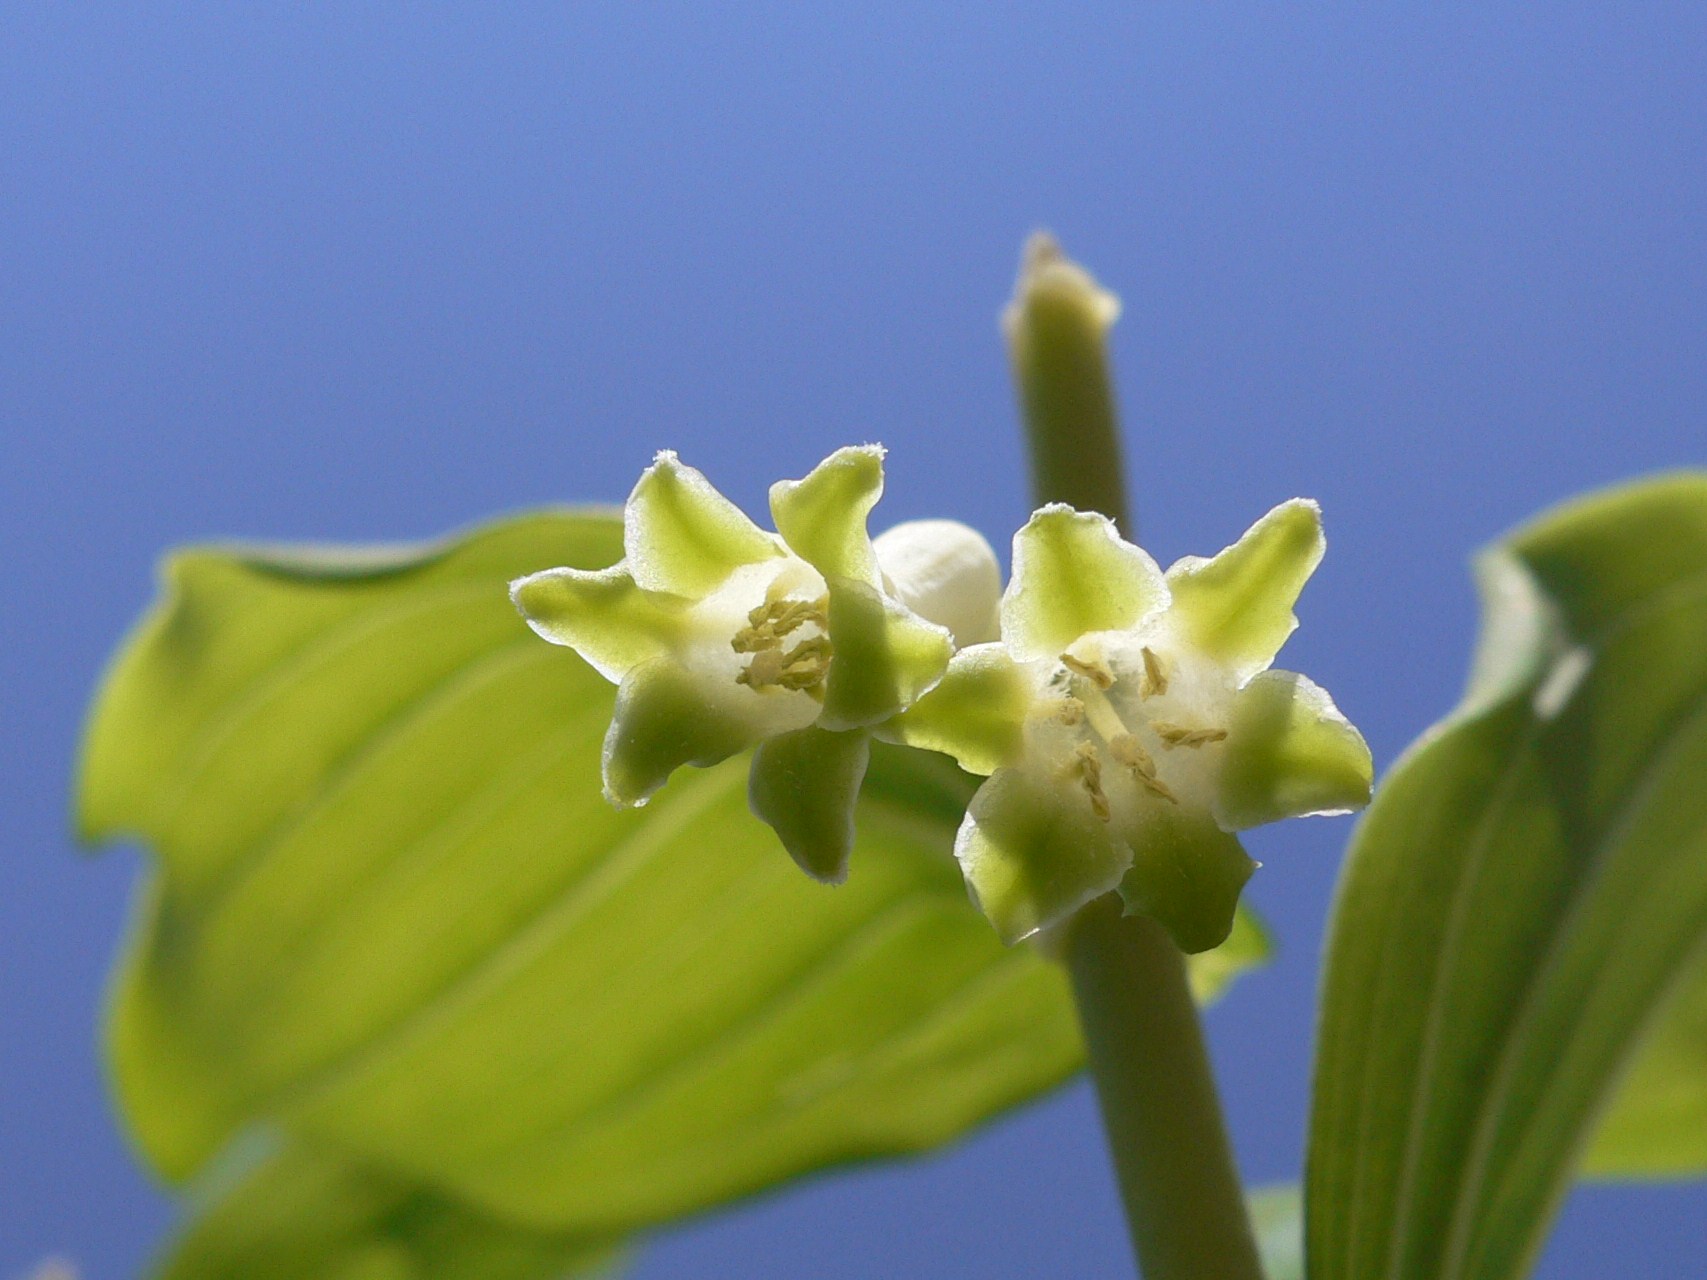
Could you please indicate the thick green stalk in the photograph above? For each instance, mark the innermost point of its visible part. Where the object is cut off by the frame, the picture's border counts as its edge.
(1184, 1201)
(1056, 327)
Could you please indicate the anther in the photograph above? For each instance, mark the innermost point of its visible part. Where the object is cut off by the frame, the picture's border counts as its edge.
(752, 639)
(1128, 751)
(1090, 775)
(1095, 672)
(805, 666)
(1155, 680)
(1173, 735)
(1070, 711)
(772, 621)
(1156, 787)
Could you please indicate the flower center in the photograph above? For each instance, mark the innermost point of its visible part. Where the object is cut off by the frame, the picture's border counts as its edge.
(1112, 714)
(781, 657)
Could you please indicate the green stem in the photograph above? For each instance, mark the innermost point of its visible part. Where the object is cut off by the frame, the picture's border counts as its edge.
(1184, 1201)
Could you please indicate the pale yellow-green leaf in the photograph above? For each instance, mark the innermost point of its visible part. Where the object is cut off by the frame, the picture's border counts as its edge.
(307, 1214)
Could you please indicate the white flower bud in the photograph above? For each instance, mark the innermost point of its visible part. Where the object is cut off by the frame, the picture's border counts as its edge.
(946, 573)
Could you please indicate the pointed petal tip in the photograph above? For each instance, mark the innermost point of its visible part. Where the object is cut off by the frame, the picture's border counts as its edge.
(681, 535)
(1238, 604)
(518, 586)
(1062, 509)
(821, 517)
(618, 801)
(861, 456)
(1060, 514)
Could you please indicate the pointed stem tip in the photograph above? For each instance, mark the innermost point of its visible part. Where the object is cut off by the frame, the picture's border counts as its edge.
(1057, 325)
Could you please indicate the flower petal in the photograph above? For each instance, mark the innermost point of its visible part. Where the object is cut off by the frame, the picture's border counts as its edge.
(1237, 606)
(976, 714)
(683, 536)
(1289, 753)
(1186, 874)
(804, 785)
(603, 615)
(664, 720)
(885, 656)
(822, 517)
(1032, 859)
(1073, 573)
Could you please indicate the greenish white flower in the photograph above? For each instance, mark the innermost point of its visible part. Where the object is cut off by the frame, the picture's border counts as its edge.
(722, 636)
(1129, 725)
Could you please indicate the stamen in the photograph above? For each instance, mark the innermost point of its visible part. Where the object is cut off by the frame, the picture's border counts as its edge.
(775, 619)
(1090, 776)
(1155, 680)
(1130, 752)
(1095, 672)
(805, 666)
(1156, 787)
(752, 639)
(1173, 735)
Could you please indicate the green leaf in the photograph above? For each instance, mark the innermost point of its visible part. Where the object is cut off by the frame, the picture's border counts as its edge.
(1657, 1125)
(1527, 889)
(304, 1214)
(392, 915)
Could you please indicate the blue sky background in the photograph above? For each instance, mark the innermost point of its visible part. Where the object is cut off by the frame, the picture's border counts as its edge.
(369, 271)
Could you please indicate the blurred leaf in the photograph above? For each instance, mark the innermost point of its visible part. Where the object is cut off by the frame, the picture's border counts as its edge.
(1528, 888)
(1657, 1125)
(1277, 1217)
(307, 1215)
(394, 916)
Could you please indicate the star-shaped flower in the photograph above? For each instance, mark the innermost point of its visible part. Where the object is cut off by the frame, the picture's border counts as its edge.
(1129, 726)
(721, 636)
